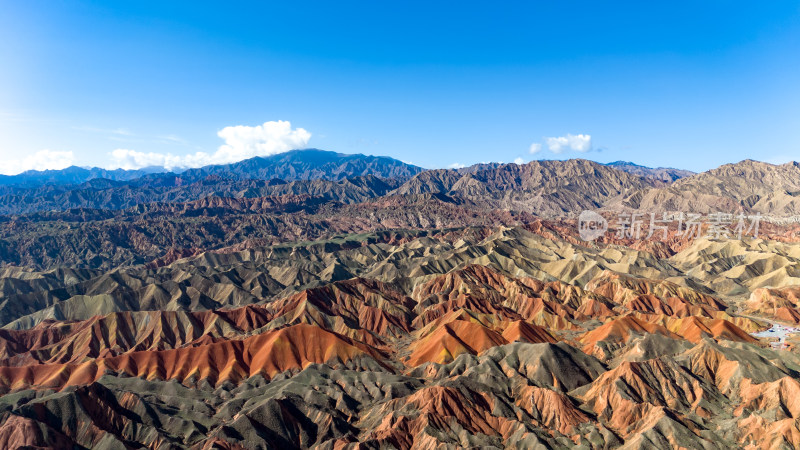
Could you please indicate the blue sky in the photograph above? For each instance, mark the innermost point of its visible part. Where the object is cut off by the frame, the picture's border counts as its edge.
(683, 84)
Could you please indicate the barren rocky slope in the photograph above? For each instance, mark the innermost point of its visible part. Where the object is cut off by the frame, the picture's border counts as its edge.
(663, 174)
(448, 309)
(467, 337)
(748, 185)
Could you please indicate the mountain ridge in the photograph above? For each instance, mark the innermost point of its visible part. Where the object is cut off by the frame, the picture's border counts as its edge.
(75, 175)
(305, 164)
(663, 174)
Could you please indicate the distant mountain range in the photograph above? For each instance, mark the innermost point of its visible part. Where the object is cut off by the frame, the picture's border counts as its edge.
(665, 174)
(310, 164)
(74, 175)
(545, 188)
(105, 223)
(542, 188)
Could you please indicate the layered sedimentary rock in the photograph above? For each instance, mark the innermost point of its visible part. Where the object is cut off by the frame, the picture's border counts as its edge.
(430, 309)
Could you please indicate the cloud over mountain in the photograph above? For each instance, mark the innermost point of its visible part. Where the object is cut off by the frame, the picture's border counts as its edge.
(41, 160)
(241, 142)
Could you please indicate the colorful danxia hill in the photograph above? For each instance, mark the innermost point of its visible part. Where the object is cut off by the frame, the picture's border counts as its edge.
(321, 300)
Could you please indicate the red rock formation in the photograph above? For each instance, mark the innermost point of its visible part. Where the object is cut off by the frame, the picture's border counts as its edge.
(526, 332)
(265, 354)
(781, 303)
(118, 333)
(453, 339)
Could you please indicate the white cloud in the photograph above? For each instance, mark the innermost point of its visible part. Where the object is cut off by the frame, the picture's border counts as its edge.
(577, 142)
(131, 159)
(456, 166)
(519, 161)
(535, 148)
(269, 139)
(41, 160)
(241, 142)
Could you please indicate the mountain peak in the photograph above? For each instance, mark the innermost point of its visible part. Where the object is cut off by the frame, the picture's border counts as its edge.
(658, 174)
(309, 164)
(304, 164)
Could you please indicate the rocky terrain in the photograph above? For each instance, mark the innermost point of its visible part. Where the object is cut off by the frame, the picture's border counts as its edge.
(327, 301)
(664, 174)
